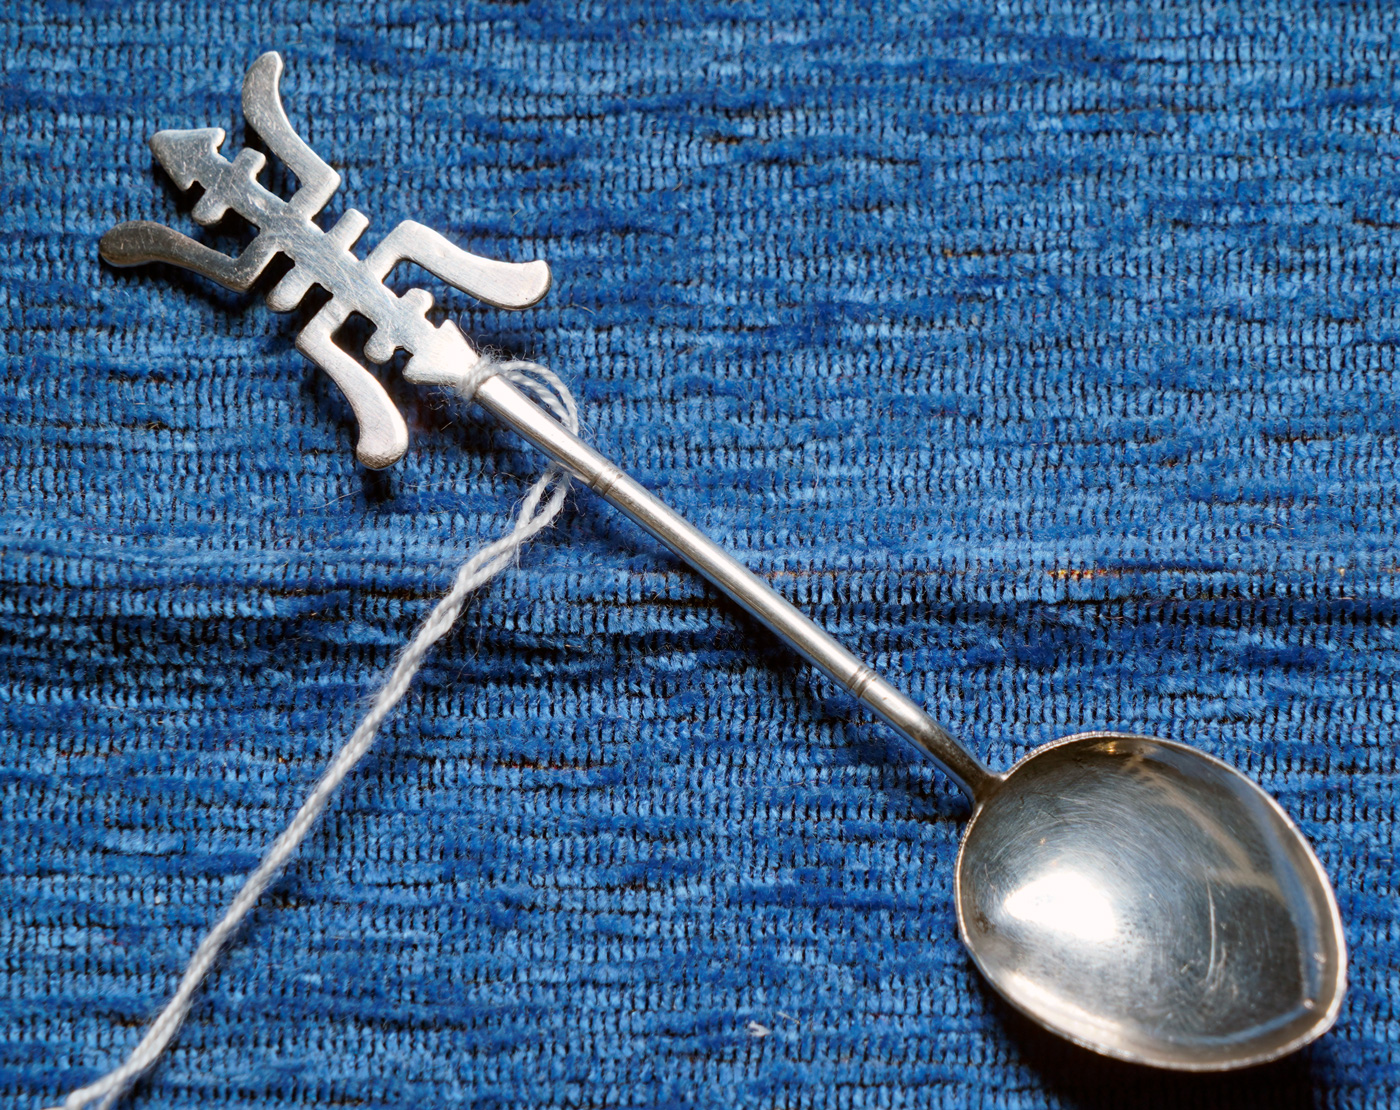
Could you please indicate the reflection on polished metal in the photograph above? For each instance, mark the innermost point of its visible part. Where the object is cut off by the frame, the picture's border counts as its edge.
(1138, 897)
(1146, 900)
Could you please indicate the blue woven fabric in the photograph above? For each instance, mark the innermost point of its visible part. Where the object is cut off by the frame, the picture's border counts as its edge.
(1043, 351)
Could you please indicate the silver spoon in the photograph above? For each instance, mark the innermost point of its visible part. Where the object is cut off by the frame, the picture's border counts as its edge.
(1140, 898)
(1134, 895)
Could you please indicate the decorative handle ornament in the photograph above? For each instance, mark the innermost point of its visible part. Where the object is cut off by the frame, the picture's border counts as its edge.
(324, 258)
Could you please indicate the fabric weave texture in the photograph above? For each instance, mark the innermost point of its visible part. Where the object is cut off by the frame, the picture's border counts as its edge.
(1044, 352)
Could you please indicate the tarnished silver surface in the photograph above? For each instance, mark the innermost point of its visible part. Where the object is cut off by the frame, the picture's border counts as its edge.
(1150, 902)
(1138, 897)
(321, 258)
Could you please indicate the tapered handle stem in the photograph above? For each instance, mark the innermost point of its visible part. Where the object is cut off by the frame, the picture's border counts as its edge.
(735, 580)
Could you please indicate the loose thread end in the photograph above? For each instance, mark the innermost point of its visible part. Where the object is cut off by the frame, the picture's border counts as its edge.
(534, 513)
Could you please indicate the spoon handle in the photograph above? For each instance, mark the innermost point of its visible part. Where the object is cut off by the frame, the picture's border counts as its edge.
(799, 632)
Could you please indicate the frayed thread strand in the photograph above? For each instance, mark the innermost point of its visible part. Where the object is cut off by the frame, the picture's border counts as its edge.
(540, 506)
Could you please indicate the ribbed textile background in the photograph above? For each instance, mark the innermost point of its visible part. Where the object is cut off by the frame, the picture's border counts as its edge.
(1045, 352)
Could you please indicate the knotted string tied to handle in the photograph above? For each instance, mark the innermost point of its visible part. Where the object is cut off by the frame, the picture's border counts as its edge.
(539, 508)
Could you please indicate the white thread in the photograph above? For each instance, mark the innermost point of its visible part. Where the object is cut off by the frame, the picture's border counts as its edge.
(474, 573)
(467, 381)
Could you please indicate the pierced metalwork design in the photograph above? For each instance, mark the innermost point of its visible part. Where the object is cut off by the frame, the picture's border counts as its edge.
(324, 258)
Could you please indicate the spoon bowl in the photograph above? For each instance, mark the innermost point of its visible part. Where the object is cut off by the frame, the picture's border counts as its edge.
(1149, 902)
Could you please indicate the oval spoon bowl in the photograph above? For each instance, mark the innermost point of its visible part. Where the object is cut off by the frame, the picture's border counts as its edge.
(1149, 902)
